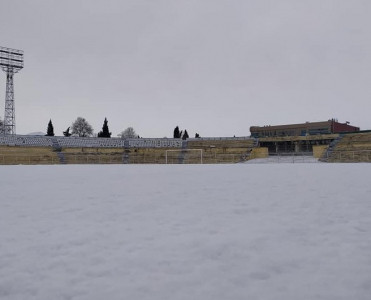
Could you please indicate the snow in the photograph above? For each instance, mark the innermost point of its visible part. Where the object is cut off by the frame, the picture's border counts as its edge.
(242, 231)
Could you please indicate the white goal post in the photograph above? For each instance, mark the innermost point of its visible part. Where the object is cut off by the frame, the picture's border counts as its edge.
(184, 150)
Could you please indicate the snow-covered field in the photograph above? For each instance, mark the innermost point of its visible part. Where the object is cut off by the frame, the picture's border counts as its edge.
(243, 231)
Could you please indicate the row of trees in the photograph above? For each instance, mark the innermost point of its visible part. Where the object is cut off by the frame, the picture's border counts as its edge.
(80, 127)
(179, 134)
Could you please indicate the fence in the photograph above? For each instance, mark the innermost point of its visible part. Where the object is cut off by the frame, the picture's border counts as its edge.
(290, 157)
(194, 157)
(93, 159)
(28, 160)
(349, 156)
(240, 138)
(183, 154)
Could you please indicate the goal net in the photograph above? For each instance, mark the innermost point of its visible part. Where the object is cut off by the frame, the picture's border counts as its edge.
(184, 156)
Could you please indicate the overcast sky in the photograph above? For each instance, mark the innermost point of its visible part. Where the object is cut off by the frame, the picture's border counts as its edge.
(215, 67)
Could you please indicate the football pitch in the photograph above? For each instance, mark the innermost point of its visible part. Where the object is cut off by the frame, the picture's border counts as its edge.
(241, 231)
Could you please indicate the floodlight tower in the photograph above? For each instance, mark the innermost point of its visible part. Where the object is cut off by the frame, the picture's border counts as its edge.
(11, 62)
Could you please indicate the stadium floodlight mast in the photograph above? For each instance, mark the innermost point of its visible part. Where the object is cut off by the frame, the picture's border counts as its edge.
(11, 62)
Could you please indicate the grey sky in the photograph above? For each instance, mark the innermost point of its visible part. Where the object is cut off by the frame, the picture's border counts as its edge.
(211, 66)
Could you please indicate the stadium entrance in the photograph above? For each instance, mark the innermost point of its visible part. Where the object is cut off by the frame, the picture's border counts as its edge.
(298, 144)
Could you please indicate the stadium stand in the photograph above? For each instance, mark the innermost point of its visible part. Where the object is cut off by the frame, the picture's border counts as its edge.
(354, 147)
(350, 147)
(67, 142)
(17, 140)
(76, 150)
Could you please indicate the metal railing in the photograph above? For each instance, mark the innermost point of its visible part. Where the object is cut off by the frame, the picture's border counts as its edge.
(350, 156)
(288, 157)
(239, 138)
(28, 159)
(189, 158)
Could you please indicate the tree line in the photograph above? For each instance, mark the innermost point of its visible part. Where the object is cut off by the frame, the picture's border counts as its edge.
(81, 127)
(179, 134)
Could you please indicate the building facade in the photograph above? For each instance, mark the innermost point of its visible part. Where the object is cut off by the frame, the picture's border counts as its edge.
(304, 129)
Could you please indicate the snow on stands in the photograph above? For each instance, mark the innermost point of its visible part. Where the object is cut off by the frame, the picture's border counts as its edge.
(74, 141)
(242, 231)
(19, 140)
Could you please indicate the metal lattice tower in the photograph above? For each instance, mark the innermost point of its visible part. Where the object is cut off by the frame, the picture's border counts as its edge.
(11, 62)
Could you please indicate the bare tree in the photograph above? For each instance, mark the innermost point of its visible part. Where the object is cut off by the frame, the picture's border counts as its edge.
(82, 128)
(1, 126)
(128, 133)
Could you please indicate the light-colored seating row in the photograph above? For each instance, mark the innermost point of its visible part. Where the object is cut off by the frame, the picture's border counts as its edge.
(87, 142)
(66, 142)
(16, 140)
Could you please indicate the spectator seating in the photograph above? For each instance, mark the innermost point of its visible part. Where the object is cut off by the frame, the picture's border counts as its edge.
(78, 150)
(355, 147)
(19, 140)
(68, 142)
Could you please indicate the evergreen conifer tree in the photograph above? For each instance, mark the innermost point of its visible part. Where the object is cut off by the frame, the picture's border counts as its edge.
(177, 133)
(185, 135)
(50, 130)
(105, 131)
(67, 132)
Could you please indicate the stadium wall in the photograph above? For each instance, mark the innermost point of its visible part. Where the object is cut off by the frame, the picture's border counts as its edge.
(319, 150)
(261, 152)
(16, 155)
